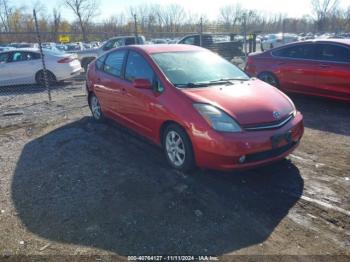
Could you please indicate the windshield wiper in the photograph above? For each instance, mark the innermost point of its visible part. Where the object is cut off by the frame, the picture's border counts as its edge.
(212, 82)
(228, 80)
(192, 85)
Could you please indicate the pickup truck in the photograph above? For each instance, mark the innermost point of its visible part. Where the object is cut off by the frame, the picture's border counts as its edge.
(224, 45)
(87, 55)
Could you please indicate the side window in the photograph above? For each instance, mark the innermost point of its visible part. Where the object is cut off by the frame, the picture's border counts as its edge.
(114, 63)
(130, 41)
(99, 62)
(17, 57)
(335, 53)
(137, 67)
(298, 51)
(4, 57)
(189, 40)
(31, 56)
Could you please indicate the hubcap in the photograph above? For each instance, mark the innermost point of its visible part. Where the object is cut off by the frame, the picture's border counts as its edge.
(95, 107)
(175, 148)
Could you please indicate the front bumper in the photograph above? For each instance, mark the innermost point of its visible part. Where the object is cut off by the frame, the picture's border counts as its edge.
(223, 151)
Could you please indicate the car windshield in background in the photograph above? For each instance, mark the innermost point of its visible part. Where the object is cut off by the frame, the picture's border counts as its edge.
(197, 69)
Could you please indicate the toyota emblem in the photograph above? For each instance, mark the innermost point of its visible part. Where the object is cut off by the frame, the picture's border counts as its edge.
(276, 115)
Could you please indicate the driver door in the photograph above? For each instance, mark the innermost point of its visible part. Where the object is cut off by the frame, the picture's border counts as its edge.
(4, 69)
(139, 106)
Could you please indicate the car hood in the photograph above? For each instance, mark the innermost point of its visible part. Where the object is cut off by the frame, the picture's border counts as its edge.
(249, 102)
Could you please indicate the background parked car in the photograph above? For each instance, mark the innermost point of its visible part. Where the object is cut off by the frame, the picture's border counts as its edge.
(86, 56)
(224, 45)
(24, 67)
(318, 67)
(276, 40)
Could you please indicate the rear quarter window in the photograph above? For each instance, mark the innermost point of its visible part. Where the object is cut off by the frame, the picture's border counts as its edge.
(99, 62)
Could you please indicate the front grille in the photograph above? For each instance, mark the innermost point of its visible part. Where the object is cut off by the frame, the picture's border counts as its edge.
(272, 125)
(269, 153)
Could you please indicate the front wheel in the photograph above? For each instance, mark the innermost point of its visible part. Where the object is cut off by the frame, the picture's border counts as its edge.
(178, 148)
(269, 78)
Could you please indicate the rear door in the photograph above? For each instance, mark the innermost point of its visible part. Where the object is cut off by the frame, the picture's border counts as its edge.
(296, 67)
(333, 78)
(109, 82)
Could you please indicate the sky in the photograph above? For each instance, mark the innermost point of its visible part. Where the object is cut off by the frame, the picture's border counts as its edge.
(290, 8)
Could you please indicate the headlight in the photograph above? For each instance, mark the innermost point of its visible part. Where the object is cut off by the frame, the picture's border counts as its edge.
(294, 110)
(217, 119)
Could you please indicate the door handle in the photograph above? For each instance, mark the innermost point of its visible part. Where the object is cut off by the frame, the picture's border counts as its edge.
(324, 65)
(98, 80)
(123, 90)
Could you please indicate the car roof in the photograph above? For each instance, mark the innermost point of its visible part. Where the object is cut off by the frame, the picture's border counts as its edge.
(330, 40)
(125, 36)
(333, 40)
(152, 49)
(22, 50)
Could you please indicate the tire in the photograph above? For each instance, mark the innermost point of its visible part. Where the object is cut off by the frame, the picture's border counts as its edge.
(40, 80)
(85, 63)
(95, 108)
(177, 148)
(269, 78)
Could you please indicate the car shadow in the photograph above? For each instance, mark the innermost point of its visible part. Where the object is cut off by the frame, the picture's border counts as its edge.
(324, 114)
(101, 186)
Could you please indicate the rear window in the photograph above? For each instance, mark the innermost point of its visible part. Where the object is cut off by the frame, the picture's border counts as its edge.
(3, 57)
(335, 53)
(99, 62)
(54, 52)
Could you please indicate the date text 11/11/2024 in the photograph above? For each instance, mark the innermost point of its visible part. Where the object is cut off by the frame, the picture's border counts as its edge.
(172, 258)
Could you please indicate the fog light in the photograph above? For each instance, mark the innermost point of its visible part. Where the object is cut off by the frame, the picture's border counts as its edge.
(241, 159)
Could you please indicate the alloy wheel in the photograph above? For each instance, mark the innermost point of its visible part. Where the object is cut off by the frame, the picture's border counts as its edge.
(175, 148)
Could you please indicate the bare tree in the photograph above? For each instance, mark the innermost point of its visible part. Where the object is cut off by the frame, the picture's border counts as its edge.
(5, 14)
(230, 15)
(56, 22)
(84, 10)
(322, 9)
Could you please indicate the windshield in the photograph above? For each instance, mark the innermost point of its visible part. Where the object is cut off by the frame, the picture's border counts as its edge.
(191, 69)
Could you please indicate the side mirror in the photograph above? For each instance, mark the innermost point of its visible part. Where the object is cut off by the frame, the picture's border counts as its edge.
(142, 84)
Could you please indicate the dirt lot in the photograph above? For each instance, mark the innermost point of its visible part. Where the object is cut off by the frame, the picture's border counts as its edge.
(71, 186)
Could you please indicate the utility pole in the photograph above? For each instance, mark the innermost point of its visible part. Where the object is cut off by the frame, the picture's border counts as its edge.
(46, 82)
(136, 35)
(201, 32)
(245, 34)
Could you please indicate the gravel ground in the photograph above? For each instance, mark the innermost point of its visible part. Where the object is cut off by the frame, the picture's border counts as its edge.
(71, 186)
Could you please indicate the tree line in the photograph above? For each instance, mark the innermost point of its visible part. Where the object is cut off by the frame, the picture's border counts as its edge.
(154, 20)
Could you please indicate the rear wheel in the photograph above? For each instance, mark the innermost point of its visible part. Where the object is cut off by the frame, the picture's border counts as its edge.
(40, 79)
(178, 148)
(95, 107)
(269, 78)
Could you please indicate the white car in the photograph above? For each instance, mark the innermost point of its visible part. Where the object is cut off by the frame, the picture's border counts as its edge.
(276, 40)
(24, 66)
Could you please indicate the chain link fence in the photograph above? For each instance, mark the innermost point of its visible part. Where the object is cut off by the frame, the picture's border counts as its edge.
(41, 67)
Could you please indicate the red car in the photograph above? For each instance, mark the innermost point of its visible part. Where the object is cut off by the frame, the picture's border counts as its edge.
(202, 110)
(319, 67)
